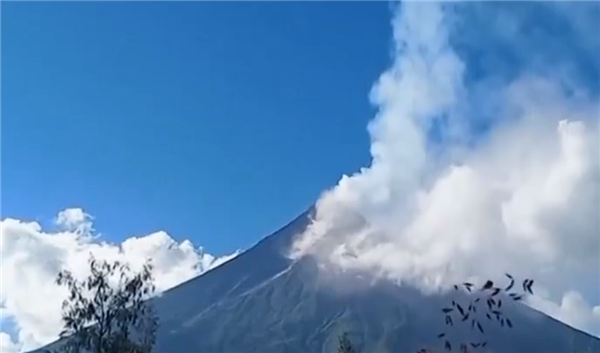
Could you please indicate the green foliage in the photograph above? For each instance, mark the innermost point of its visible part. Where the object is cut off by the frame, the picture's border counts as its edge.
(485, 300)
(345, 345)
(104, 317)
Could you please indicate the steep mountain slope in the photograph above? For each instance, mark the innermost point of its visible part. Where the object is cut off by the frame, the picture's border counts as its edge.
(262, 302)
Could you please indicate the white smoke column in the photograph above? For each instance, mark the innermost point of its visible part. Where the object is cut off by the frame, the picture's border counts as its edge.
(525, 200)
(424, 83)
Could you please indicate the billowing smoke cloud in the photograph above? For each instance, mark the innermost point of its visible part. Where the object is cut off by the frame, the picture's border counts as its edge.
(30, 302)
(476, 172)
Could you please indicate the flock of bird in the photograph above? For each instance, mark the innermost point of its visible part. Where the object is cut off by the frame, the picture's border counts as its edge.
(492, 296)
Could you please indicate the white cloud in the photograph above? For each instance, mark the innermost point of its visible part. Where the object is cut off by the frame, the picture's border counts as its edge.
(7, 345)
(32, 257)
(525, 199)
(572, 309)
(74, 219)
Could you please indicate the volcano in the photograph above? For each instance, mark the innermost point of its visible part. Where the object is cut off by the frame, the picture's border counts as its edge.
(263, 302)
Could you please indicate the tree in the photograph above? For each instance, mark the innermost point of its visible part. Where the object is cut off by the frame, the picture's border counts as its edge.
(107, 312)
(344, 344)
(485, 300)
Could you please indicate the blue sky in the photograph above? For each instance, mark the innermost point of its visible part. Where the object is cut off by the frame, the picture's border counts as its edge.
(217, 122)
(214, 121)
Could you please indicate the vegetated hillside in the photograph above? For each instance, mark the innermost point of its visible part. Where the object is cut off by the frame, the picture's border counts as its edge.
(262, 302)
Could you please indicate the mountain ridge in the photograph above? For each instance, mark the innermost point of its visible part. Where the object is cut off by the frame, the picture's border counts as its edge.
(261, 301)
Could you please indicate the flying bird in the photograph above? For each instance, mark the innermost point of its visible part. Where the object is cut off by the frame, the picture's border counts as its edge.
(441, 335)
(509, 323)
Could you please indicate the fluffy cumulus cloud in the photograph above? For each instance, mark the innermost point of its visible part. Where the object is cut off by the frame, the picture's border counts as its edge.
(31, 257)
(572, 308)
(6, 343)
(479, 167)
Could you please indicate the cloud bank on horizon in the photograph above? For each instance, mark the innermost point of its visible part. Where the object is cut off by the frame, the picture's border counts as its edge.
(31, 258)
(485, 157)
